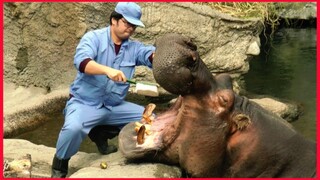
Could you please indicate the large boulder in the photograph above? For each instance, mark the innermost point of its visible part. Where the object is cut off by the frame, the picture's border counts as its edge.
(84, 165)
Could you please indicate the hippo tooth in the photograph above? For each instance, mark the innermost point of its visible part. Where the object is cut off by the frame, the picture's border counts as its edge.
(148, 119)
(140, 136)
(147, 127)
(147, 113)
(138, 124)
(149, 109)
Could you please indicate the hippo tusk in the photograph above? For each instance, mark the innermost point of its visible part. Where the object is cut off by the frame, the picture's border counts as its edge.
(149, 109)
(140, 136)
(145, 126)
(147, 113)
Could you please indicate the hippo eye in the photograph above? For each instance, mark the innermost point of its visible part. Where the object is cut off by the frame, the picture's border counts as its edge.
(222, 100)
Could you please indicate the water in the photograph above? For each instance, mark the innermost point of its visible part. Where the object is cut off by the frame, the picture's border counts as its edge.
(288, 71)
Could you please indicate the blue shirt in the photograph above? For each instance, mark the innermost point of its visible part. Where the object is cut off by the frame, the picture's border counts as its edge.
(99, 90)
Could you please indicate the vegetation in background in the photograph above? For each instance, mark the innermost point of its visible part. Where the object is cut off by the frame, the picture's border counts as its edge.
(268, 12)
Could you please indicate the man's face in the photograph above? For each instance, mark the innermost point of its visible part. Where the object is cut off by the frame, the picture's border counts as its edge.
(122, 28)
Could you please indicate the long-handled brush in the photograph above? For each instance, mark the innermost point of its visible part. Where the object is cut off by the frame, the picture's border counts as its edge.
(145, 88)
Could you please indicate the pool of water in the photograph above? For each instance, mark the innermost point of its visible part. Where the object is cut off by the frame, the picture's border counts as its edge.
(286, 68)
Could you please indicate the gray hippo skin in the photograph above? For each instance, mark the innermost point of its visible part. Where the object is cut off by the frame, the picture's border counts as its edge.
(210, 131)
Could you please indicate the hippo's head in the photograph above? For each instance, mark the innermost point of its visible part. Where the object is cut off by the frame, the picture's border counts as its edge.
(210, 131)
(197, 122)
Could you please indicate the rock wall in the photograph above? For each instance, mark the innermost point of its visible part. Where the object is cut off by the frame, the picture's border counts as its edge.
(223, 42)
(40, 38)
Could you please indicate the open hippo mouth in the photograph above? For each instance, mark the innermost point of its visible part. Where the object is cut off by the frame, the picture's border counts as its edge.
(151, 134)
(161, 138)
(190, 121)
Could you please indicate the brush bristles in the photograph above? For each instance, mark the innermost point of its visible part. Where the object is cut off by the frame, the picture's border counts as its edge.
(147, 90)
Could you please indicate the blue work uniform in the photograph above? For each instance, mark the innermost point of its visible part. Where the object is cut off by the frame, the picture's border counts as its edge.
(98, 100)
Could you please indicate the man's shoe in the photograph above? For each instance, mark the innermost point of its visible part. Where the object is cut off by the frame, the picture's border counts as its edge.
(59, 168)
(104, 149)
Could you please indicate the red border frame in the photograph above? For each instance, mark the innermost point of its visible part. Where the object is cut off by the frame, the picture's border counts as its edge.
(318, 66)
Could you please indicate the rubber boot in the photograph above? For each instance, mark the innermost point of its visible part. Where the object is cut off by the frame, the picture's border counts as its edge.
(104, 148)
(100, 135)
(59, 167)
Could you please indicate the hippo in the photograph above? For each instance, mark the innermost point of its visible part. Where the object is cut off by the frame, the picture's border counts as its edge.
(210, 131)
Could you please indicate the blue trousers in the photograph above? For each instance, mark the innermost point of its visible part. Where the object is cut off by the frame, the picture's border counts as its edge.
(81, 118)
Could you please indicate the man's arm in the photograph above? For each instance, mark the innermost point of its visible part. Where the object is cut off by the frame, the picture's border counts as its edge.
(144, 54)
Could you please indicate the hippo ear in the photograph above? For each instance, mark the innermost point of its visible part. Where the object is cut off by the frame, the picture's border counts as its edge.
(240, 121)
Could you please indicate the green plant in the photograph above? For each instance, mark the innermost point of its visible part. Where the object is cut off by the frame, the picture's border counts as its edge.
(268, 12)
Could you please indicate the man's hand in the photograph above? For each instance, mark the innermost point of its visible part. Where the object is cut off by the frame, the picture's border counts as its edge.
(116, 75)
(97, 69)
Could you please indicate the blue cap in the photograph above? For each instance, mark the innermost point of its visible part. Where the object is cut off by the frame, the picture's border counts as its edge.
(131, 12)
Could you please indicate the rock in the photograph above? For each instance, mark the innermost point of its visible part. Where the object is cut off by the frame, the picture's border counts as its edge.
(18, 167)
(288, 111)
(143, 170)
(221, 39)
(86, 165)
(254, 49)
(299, 11)
(82, 30)
(272, 105)
(27, 108)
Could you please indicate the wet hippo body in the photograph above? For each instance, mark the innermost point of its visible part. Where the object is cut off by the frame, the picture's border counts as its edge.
(268, 146)
(212, 132)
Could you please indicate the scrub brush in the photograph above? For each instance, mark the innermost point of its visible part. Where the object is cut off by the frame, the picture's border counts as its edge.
(145, 88)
